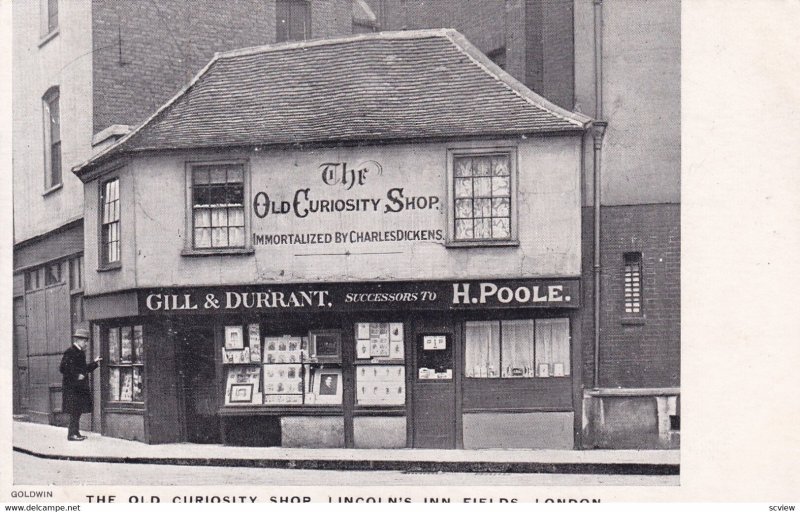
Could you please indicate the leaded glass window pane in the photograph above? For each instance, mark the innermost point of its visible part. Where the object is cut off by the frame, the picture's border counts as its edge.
(486, 179)
(464, 229)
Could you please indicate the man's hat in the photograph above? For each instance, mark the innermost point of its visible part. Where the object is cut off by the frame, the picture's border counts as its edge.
(81, 333)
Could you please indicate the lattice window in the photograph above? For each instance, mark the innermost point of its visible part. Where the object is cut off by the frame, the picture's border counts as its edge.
(633, 283)
(482, 197)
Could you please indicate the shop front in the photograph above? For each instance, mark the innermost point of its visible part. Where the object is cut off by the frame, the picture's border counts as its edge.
(434, 364)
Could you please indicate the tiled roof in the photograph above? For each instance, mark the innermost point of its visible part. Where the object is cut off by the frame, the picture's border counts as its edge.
(387, 86)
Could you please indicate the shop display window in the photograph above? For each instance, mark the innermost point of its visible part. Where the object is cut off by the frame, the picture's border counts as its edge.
(282, 370)
(552, 347)
(517, 348)
(125, 364)
(241, 356)
(380, 363)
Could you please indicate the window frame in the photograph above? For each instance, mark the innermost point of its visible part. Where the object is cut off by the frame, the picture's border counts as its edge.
(456, 152)
(48, 20)
(52, 181)
(290, 5)
(189, 248)
(103, 263)
(638, 258)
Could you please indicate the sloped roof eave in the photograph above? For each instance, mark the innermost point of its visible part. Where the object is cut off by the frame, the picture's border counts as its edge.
(571, 121)
(122, 153)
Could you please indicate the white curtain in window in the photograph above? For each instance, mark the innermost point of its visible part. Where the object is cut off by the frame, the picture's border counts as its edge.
(483, 349)
(552, 347)
(517, 348)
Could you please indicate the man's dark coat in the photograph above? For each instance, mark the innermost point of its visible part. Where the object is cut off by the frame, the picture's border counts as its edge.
(76, 394)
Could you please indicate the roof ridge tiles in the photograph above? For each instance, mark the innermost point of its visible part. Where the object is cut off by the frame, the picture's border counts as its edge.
(312, 43)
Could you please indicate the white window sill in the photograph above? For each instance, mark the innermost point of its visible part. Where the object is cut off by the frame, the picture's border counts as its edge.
(221, 251)
(453, 244)
(633, 320)
(48, 37)
(52, 189)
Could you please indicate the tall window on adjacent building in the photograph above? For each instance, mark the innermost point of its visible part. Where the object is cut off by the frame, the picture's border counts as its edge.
(52, 138)
(293, 20)
(110, 236)
(76, 292)
(517, 348)
(49, 16)
(218, 206)
(482, 203)
(633, 283)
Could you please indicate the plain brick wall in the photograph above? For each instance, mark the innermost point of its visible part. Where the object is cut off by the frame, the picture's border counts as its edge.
(646, 355)
(481, 21)
(537, 35)
(145, 52)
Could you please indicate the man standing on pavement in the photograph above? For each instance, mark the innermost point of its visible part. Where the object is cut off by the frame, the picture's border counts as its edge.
(77, 396)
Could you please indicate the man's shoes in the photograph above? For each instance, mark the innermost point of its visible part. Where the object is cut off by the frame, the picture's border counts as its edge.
(76, 438)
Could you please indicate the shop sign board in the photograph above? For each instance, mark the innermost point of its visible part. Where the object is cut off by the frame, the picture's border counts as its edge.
(338, 203)
(433, 295)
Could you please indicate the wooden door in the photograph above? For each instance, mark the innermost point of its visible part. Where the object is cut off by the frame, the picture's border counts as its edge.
(21, 384)
(197, 369)
(435, 414)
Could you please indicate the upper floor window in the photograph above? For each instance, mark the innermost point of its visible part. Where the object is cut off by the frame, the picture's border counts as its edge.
(217, 199)
(633, 283)
(293, 18)
(109, 232)
(52, 138)
(49, 15)
(482, 196)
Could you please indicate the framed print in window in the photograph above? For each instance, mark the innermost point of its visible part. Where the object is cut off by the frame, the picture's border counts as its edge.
(234, 337)
(325, 345)
(241, 393)
(328, 386)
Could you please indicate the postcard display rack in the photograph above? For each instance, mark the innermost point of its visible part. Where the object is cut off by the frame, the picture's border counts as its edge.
(380, 364)
(293, 370)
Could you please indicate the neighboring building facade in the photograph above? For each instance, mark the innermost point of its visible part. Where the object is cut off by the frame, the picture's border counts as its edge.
(84, 72)
(396, 265)
(633, 400)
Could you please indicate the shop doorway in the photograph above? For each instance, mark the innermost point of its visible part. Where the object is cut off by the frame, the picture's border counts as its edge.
(434, 421)
(198, 381)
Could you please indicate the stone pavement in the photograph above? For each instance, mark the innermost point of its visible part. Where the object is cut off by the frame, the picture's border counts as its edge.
(50, 442)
